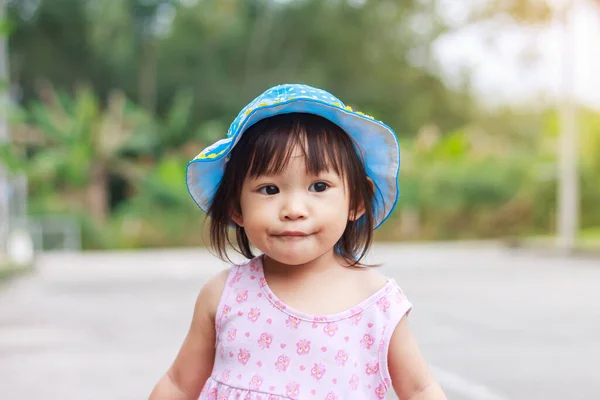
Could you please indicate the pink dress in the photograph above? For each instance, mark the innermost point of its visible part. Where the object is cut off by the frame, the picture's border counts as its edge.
(266, 350)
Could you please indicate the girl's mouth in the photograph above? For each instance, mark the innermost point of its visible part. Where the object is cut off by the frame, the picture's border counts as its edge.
(293, 234)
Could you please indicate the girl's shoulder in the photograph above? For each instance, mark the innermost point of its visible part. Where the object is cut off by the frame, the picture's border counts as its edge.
(368, 281)
(211, 293)
(372, 278)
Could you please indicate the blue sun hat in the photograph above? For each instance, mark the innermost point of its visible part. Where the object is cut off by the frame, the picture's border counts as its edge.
(376, 142)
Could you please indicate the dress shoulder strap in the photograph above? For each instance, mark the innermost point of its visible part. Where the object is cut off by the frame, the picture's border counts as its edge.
(223, 309)
(235, 291)
(392, 308)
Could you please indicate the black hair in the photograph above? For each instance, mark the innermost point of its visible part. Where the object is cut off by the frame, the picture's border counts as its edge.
(266, 148)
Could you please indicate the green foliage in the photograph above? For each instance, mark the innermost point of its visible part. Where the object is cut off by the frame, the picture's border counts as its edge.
(463, 184)
(460, 187)
(590, 169)
(225, 52)
(77, 134)
(143, 85)
(162, 189)
(10, 158)
(468, 183)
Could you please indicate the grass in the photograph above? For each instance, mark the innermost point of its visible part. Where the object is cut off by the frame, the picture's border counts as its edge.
(589, 239)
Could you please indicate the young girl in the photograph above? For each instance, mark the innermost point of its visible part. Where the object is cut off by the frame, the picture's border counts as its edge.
(304, 180)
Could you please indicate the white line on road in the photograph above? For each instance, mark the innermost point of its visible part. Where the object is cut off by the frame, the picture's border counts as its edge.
(460, 386)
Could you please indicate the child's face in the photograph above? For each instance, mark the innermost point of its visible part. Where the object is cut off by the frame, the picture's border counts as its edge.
(294, 217)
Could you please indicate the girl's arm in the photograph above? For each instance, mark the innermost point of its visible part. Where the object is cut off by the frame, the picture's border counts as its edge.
(409, 372)
(193, 365)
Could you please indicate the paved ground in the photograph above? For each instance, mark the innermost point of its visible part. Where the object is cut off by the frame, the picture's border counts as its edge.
(494, 325)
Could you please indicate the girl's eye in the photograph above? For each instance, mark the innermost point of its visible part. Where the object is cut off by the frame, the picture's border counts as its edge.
(269, 189)
(319, 187)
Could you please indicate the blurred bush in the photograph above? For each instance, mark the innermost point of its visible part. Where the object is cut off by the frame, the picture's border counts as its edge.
(462, 184)
(468, 184)
(115, 158)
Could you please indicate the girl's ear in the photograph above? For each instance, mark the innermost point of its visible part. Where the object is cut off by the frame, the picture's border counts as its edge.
(361, 208)
(356, 215)
(237, 218)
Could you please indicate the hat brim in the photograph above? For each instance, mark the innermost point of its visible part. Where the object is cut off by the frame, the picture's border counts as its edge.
(377, 142)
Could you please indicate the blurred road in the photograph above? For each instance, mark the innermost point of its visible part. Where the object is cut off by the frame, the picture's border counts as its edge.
(495, 325)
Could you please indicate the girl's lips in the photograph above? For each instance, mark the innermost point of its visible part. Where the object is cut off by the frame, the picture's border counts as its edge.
(292, 233)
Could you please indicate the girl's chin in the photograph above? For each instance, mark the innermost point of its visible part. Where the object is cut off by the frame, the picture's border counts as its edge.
(291, 259)
(294, 257)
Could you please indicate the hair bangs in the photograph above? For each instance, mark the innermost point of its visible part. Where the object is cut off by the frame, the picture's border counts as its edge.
(271, 150)
(266, 148)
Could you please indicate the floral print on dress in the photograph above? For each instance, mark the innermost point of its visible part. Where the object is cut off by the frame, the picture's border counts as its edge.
(292, 322)
(265, 341)
(231, 335)
(226, 310)
(282, 363)
(372, 368)
(255, 382)
(280, 305)
(380, 391)
(330, 328)
(292, 390)
(254, 314)
(225, 375)
(317, 371)
(212, 395)
(367, 341)
(236, 278)
(242, 296)
(303, 347)
(355, 319)
(341, 357)
(266, 350)
(244, 356)
(383, 304)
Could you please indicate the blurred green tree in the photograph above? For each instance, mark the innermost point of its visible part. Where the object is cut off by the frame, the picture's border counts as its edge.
(71, 146)
(227, 51)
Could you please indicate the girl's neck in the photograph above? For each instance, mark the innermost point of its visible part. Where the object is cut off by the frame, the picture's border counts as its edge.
(321, 265)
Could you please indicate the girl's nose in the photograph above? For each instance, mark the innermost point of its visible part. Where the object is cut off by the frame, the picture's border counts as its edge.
(293, 209)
